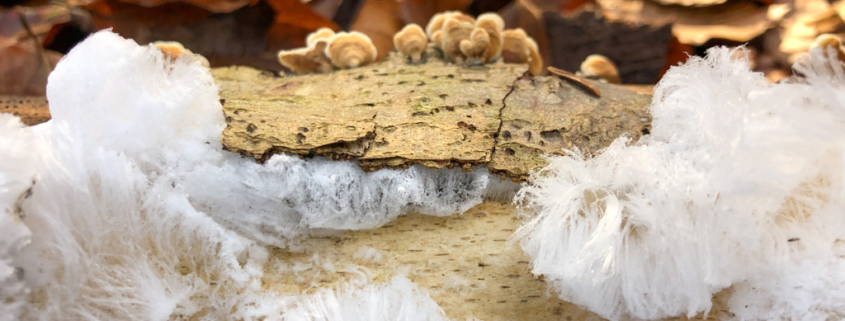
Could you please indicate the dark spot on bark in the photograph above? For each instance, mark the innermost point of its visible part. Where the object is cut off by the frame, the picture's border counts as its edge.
(467, 126)
(551, 135)
(251, 128)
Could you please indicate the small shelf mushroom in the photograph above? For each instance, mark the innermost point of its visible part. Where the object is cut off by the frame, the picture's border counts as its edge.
(320, 34)
(493, 24)
(475, 48)
(598, 66)
(351, 50)
(518, 47)
(454, 31)
(827, 41)
(411, 41)
(311, 59)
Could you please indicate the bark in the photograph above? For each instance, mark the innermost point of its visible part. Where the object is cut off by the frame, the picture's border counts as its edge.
(32, 110)
(394, 114)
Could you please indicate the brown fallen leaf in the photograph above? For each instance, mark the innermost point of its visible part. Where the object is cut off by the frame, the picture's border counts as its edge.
(24, 63)
(380, 20)
(251, 35)
(420, 11)
(639, 52)
(806, 20)
(738, 21)
(216, 6)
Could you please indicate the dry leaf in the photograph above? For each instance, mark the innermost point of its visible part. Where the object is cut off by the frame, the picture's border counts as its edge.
(217, 6)
(689, 3)
(248, 36)
(293, 21)
(24, 63)
(738, 21)
(808, 19)
(420, 11)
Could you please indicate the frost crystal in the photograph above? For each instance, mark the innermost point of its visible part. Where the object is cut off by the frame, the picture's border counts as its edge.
(398, 300)
(735, 168)
(134, 203)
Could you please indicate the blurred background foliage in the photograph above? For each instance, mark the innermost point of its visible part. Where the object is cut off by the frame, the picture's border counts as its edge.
(643, 37)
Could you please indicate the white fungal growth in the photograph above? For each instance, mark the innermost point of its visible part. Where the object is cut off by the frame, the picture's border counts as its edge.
(133, 197)
(17, 176)
(367, 254)
(398, 300)
(456, 284)
(734, 169)
(800, 289)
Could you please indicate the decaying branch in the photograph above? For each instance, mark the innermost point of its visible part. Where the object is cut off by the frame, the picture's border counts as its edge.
(394, 114)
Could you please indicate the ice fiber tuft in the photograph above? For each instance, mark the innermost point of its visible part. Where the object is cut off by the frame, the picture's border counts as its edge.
(734, 171)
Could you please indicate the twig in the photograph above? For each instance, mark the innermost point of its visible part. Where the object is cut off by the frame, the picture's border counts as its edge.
(581, 81)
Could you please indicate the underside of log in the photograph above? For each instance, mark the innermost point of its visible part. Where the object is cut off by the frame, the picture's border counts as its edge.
(394, 114)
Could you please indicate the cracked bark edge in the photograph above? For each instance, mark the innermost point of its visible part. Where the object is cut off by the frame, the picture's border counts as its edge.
(393, 114)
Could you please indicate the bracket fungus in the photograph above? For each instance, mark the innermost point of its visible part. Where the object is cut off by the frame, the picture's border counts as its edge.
(598, 66)
(411, 41)
(475, 48)
(826, 41)
(455, 31)
(438, 20)
(311, 59)
(493, 24)
(463, 39)
(518, 47)
(437, 39)
(320, 34)
(175, 50)
(351, 50)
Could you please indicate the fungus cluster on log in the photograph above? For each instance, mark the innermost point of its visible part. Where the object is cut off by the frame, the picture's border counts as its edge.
(461, 38)
(327, 51)
(466, 40)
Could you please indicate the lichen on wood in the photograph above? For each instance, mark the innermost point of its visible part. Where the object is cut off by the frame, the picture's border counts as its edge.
(545, 115)
(394, 114)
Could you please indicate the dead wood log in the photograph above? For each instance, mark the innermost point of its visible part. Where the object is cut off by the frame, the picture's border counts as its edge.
(393, 114)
